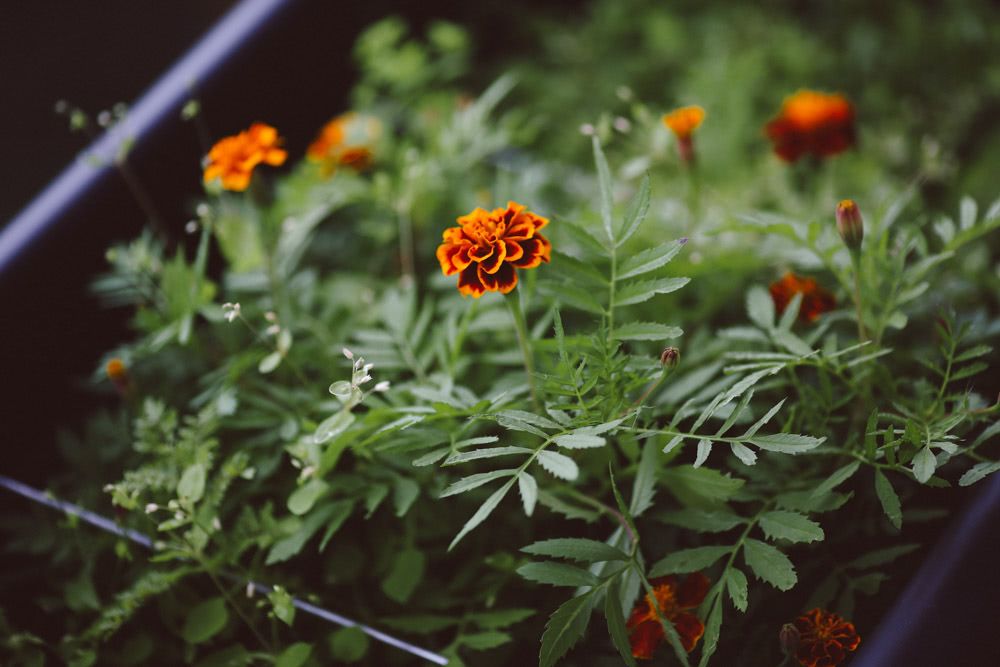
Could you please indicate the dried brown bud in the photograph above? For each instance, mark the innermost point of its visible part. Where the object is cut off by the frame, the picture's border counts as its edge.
(849, 224)
(789, 638)
(670, 357)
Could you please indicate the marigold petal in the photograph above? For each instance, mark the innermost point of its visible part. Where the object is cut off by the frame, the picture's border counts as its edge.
(514, 250)
(689, 627)
(692, 590)
(684, 121)
(645, 638)
(492, 263)
(477, 215)
(469, 282)
(536, 250)
(237, 181)
(478, 253)
(276, 157)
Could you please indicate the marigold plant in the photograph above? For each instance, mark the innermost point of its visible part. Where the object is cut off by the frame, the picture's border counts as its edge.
(812, 123)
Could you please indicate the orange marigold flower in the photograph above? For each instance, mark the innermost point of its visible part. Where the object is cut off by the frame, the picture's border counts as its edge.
(675, 599)
(117, 372)
(684, 121)
(347, 140)
(234, 158)
(815, 299)
(488, 246)
(812, 123)
(824, 639)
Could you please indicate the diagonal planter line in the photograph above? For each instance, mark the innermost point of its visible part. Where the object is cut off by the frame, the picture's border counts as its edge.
(144, 540)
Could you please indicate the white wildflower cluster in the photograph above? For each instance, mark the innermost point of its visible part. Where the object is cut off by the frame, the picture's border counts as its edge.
(352, 391)
(231, 311)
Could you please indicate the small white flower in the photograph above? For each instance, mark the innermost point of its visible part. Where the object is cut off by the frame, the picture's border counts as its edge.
(361, 381)
(271, 316)
(367, 368)
(216, 523)
(191, 227)
(622, 124)
(108, 488)
(179, 515)
(308, 471)
(151, 507)
(250, 589)
(587, 130)
(348, 353)
(273, 330)
(231, 310)
(203, 210)
(381, 386)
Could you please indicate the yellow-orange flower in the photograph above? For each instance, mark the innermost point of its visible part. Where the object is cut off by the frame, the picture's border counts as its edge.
(347, 140)
(675, 599)
(488, 247)
(815, 299)
(684, 121)
(812, 123)
(233, 159)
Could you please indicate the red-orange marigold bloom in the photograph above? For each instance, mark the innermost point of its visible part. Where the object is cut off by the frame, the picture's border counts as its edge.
(825, 639)
(347, 140)
(675, 598)
(234, 158)
(812, 123)
(488, 246)
(684, 121)
(815, 299)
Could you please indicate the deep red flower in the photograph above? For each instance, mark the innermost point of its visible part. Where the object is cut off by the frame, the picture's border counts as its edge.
(815, 299)
(824, 639)
(812, 123)
(489, 245)
(675, 599)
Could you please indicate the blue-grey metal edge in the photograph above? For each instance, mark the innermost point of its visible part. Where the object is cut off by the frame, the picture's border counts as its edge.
(160, 103)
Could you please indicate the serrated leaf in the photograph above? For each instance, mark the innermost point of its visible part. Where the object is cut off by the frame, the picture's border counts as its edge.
(736, 585)
(643, 290)
(978, 472)
(973, 353)
(786, 443)
(482, 641)
(564, 628)
(760, 307)
(579, 441)
(688, 560)
(531, 418)
(836, 479)
(558, 465)
(650, 259)
(636, 212)
(191, 486)
(791, 526)
(704, 449)
(646, 331)
(924, 464)
(475, 481)
(969, 371)
(499, 618)
(484, 453)
(769, 564)
(713, 627)
(304, 497)
(557, 574)
(889, 500)
(644, 485)
(616, 624)
(294, 656)
(702, 521)
(578, 271)
(528, 488)
(576, 548)
(699, 486)
(605, 188)
(482, 513)
(743, 453)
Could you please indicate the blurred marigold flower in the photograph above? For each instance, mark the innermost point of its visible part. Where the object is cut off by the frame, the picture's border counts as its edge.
(683, 122)
(815, 299)
(348, 140)
(675, 599)
(812, 123)
(824, 639)
(233, 159)
(488, 246)
(117, 372)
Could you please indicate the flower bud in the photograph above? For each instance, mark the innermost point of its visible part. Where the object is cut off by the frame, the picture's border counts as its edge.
(117, 372)
(670, 357)
(789, 638)
(849, 224)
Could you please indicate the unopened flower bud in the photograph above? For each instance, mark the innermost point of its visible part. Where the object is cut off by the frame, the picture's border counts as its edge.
(789, 638)
(117, 372)
(151, 507)
(849, 224)
(670, 357)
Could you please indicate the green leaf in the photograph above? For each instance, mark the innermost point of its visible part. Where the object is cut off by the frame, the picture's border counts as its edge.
(528, 488)
(703, 487)
(616, 624)
(289, 546)
(636, 212)
(650, 259)
(482, 641)
(482, 513)
(688, 560)
(644, 485)
(736, 584)
(405, 574)
(769, 564)
(191, 486)
(604, 187)
(295, 655)
(484, 453)
(348, 644)
(978, 472)
(836, 479)
(531, 418)
(557, 574)
(713, 627)
(890, 501)
(973, 353)
(564, 628)
(404, 494)
(760, 307)
(791, 526)
(743, 453)
(576, 548)
(499, 618)
(205, 620)
(339, 514)
(703, 521)
(643, 290)
(924, 464)
(786, 443)
(882, 556)
(282, 605)
(558, 465)
(622, 507)
(752, 431)
(270, 362)
(333, 426)
(304, 497)
(579, 441)
(475, 481)
(646, 331)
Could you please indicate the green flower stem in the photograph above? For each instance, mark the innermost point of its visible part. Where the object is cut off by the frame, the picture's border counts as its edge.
(856, 264)
(514, 304)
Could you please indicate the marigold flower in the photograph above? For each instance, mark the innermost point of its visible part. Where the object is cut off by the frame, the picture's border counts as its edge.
(675, 599)
(683, 122)
(117, 372)
(824, 639)
(812, 123)
(347, 140)
(234, 158)
(815, 299)
(488, 246)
